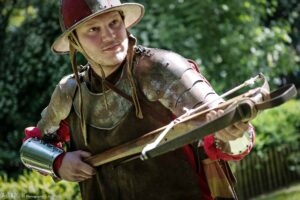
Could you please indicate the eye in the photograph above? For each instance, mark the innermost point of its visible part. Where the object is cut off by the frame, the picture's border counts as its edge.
(94, 29)
(114, 22)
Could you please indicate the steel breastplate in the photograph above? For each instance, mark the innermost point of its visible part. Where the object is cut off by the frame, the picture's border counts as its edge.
(94, 109)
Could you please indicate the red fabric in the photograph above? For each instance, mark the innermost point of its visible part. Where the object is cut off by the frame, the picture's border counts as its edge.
(216, 154)
(205, 192)
(73, 11)
(32, 132)
(63, 131)
(57, 163)
(64, 136)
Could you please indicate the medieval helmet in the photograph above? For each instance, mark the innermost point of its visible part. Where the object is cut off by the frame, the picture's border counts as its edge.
(75, 12)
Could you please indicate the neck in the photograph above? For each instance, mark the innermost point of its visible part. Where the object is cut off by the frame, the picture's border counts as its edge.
(106, 69)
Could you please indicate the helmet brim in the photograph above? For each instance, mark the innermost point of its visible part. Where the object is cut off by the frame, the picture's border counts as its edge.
(133, 13)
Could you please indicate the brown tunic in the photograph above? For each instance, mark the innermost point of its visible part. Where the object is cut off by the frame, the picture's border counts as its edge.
(166, 177)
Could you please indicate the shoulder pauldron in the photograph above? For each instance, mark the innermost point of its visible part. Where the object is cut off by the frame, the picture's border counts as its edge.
(59, 106)
(169, 78)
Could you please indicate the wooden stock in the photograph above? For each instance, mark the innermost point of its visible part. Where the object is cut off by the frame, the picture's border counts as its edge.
(136, 146)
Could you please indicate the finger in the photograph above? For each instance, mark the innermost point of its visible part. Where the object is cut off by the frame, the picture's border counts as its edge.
(87, 169)
(84, 170)
(79, 178)
(231, 129)
(234, 131)
(242, 126)
(214, 114)
(220, 112)
(211, 115)
(226, 135)
(83, 179)
(83, 154)
(208, 116)
(84, 167)
(223, 136)
(81, 173)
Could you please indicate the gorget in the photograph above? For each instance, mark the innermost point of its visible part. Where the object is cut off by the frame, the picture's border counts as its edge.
(94, 109)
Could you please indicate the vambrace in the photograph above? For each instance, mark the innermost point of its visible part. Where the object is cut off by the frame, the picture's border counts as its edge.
(40, 156)
(197, 91)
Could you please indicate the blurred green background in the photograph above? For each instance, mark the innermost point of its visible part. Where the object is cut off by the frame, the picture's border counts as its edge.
(230, 40)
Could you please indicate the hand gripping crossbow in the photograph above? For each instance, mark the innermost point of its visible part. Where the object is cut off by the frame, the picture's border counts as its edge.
(182, 131)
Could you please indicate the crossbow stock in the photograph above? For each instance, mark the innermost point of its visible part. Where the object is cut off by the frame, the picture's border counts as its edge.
(183, 130)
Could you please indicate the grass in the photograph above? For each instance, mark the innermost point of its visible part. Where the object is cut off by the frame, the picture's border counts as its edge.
(289, 193)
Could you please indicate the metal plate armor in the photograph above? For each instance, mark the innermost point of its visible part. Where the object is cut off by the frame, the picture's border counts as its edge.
(35, 154)
(95, 112)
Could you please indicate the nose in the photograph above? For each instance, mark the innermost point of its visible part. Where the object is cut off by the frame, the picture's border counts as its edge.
(108, 34)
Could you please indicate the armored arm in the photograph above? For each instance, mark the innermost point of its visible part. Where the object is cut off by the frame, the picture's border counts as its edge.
(169, 78)
(37, 152)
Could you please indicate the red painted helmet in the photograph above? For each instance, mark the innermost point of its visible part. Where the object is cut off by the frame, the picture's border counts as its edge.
(75, 12)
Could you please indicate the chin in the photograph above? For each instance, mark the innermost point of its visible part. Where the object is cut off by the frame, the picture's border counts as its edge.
(115, 61)
(121, 56)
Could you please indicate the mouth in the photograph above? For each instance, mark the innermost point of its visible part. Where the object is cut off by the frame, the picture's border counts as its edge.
(112, 47)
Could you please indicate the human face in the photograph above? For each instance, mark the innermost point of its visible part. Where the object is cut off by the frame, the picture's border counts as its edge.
(104, 39)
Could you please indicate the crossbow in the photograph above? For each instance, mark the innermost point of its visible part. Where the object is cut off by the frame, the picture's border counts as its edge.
(182, 130)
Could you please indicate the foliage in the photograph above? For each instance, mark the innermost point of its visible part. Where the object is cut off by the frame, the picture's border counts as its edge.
(278, 127)
(294, 162)
(32, 185)
(28, 74)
